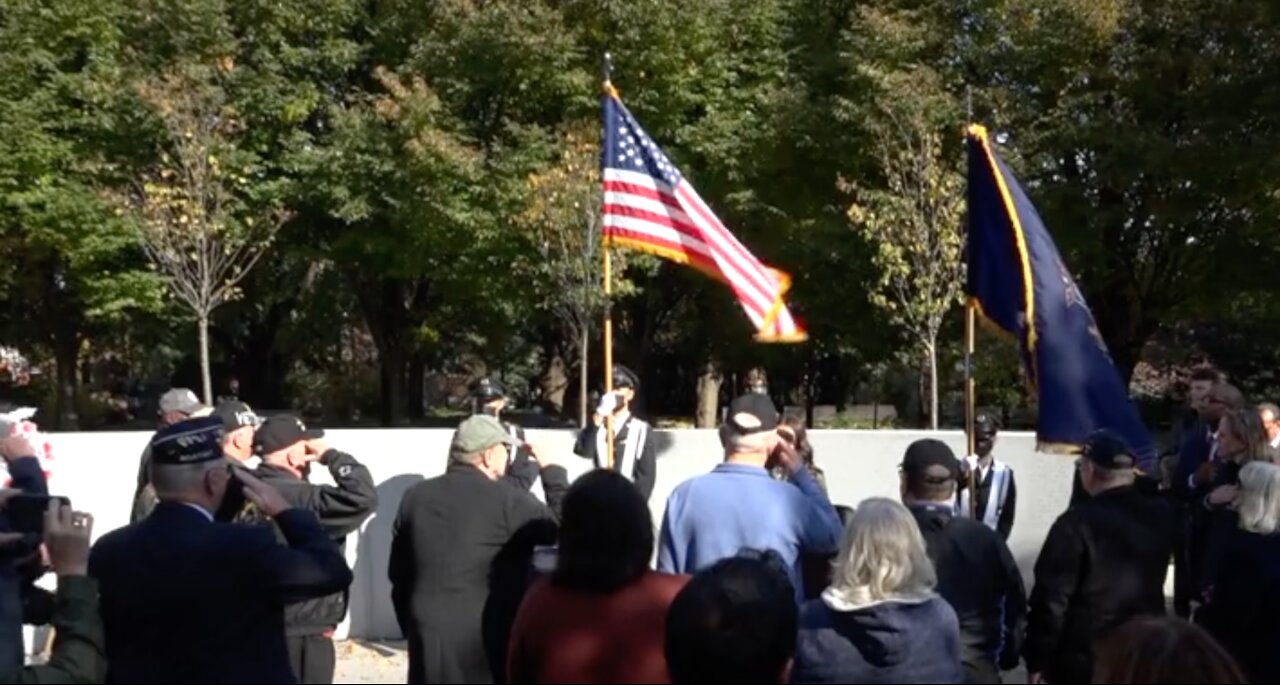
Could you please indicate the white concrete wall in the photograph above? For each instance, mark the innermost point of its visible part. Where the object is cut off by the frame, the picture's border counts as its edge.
(98, 470)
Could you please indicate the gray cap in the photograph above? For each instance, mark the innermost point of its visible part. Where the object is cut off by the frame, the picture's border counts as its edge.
(180, 400)
(479, 433)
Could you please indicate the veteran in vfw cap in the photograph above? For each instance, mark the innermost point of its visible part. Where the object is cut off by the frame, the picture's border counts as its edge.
(183, 596)
(633, 452)
(239, 423)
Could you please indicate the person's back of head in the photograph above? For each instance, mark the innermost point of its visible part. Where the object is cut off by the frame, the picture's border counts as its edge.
(188, 465)
(882, 557)
(1163, 649)
(929, 472)
(1259, 503)
(734, 622)
(606, 534)
(749, 433)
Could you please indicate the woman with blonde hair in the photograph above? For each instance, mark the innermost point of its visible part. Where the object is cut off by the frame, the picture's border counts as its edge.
(880, 620)
(1243, 603)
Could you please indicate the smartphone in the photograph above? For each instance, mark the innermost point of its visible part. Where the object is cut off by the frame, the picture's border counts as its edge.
(26, 512)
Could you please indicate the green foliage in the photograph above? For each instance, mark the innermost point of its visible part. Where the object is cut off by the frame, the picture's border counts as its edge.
(435, 161)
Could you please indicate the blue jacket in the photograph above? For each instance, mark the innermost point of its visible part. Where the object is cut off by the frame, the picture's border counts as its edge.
(736, 506)
(888, 642)
(187, 600)
(25, 475)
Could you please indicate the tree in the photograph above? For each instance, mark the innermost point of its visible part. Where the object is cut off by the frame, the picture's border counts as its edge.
(195, 224)
(913, 223)
(563, 224)
(75, 268)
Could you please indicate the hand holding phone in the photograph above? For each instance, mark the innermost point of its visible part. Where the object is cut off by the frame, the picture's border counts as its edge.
(26, 512)
(66, 538)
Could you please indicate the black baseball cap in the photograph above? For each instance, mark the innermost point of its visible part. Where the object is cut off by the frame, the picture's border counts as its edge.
(931, 461)
(281, 432)
(752, 413)
(1108, 450)
(235, 414)
(192, 441)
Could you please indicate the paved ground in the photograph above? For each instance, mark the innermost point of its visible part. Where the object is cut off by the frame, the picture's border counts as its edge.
(371, 662)
(385, 662)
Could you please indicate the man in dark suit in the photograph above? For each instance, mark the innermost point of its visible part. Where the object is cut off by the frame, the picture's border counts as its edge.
(185, 599)
(461, 556)
(633, 454)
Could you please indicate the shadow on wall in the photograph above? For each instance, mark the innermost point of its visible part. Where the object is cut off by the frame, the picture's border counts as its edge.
(662, 442)
(370, 567)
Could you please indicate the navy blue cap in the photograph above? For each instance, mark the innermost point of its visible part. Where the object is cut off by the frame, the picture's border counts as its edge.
(1108, 450)
(188, 442)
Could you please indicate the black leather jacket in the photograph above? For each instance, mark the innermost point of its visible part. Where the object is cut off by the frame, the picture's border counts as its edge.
(1104, 562)
(341, 510)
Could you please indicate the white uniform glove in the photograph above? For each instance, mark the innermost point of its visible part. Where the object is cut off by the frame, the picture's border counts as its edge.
(608, 402)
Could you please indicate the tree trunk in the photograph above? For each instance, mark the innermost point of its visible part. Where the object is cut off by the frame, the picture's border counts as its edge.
(206, 380)
(417, 389)
(554, 382)
(393, 370)
(931, 352)
(584, 372)
(65, 357)
(708, 410)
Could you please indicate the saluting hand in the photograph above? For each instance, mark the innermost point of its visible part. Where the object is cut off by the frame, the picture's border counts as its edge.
(539, 455)
(268, 499)
(787, 457)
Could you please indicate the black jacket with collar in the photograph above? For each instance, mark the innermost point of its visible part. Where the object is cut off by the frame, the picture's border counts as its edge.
(1103, 563)
(341, 508)
(980, 580)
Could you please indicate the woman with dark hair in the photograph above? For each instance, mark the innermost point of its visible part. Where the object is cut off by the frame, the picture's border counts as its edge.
(1163, 649)
(601, 615)
(794, 432)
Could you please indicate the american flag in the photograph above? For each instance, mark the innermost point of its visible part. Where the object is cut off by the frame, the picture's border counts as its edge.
(649, 206)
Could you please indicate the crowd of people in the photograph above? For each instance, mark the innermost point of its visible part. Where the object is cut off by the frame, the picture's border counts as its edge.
(233, 570)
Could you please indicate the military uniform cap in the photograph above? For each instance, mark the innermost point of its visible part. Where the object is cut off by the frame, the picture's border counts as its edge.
(487, 389)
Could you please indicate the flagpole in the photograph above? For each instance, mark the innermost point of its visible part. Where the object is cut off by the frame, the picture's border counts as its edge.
(970, 402)
(608, 303)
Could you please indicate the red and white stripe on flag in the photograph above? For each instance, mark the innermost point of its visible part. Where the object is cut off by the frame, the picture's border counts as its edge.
(649, 206)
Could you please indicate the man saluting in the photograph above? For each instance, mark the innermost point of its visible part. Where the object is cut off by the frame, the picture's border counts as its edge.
(188, 600)
(633, 454)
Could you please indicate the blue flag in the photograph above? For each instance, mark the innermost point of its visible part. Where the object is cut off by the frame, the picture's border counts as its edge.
(1019, 282)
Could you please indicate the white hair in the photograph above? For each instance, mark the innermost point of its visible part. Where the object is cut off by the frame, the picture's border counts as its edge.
(736, 443)
(1260, 498)
(175, 480)
(881, 558)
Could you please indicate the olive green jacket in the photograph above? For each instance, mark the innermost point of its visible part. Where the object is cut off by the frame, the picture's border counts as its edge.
(78, 655)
